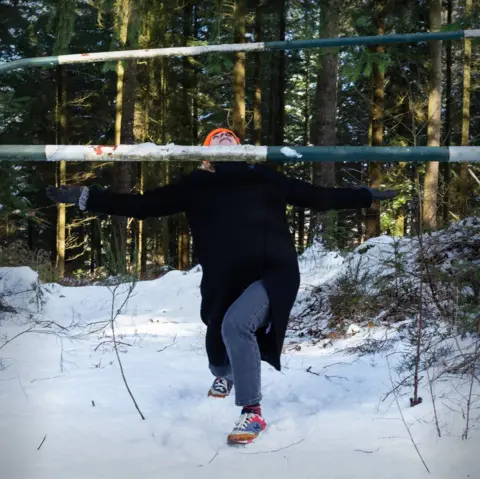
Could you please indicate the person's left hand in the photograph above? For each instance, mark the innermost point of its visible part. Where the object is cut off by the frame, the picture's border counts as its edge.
(378, 195)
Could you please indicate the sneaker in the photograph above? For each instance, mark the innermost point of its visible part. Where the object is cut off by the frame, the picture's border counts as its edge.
(221, 388)
(247, 428)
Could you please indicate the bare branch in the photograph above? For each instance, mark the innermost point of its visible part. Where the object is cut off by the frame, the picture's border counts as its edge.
(273, 450)
(113, 315)
(30, 329)
(403, 419)
(367, 452)
(41, 444)
(111, 341)
(168, 345)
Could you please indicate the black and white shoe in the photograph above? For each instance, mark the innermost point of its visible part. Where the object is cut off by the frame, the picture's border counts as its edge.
(221, 388)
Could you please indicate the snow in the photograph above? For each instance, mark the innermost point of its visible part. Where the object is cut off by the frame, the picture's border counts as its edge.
(326, 410)
(19, 287)
(290, 152)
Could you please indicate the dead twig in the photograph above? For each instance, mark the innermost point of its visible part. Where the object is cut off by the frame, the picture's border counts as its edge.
(30, 329)
(111, 341)
(21, 385)
(432, 393)
(168, 345)
(367, 452)
(273, 450)
(403, 419)
(338, 377)
(113, 316)
(469, 399)
(41, 444)
(45, 379)
(216, 454)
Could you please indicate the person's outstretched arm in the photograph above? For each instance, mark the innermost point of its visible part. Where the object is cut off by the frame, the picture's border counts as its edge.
(167, 200)
(319, 198)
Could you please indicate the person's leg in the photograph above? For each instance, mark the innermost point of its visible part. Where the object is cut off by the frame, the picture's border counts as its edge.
(247, 314)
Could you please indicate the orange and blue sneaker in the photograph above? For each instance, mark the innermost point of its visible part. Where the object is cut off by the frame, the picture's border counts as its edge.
(221, 388)
(248, 427)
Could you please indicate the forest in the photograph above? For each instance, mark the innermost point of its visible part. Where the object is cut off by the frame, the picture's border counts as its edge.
(411, 94)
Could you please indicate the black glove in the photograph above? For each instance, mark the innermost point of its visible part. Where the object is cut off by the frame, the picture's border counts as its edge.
(378, 195)
(64, 194)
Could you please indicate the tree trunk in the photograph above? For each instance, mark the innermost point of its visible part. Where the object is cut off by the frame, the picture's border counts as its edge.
(141, 238)
(467, 60)
(96, 251)
(124, 130)
(430, 201)
(239, 19)
(188, 94)
(445, 168)
(324, 133)
(257, 88)
(378, 87)
(62, 167)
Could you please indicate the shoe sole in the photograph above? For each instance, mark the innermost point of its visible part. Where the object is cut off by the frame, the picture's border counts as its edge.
(214, 395)
(243, 439)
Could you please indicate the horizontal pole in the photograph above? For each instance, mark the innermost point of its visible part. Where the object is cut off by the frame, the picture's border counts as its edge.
(236, 47)
(367, 40)
(253, 154)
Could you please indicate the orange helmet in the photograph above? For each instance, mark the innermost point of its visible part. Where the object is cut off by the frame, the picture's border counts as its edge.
(209, 137)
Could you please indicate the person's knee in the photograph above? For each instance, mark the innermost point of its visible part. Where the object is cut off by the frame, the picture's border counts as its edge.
(229, 328)
(233, 327)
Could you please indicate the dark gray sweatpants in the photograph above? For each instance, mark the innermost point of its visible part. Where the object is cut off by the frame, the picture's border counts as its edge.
(247, 314)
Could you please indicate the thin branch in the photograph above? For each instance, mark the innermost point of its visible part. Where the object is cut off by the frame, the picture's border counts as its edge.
(403, 419)
(41, 444)
(216, 454)
(45, 379)
(474, 176)
(21, 385)
(16, 336)
(469, 400)
(432, 393)
(113, 316)
(122, 372)
(367, 452)
(168, 345)
(273, 450)
(399, 385)
(111, 341)
(338, 377)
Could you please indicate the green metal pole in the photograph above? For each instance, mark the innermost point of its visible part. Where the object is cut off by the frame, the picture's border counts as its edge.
(384, 154)
(235, 47)
(22, 153)
(253, 154)
(367, 40)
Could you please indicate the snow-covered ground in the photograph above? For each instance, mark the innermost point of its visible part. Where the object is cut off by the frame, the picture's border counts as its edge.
(65, 393)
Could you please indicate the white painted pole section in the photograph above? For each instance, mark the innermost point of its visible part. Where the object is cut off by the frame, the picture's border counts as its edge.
(60, 153)
(152, 152)
(160, 52)
(472, 33)
(469, 154)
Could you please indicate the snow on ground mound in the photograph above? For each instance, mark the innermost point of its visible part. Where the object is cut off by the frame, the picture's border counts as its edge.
(382, 276)
(19, 289)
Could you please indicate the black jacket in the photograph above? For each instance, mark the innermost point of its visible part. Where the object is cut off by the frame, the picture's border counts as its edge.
(237, 217)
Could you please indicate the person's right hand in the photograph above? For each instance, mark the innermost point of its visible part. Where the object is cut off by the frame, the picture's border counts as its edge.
(64, 194)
